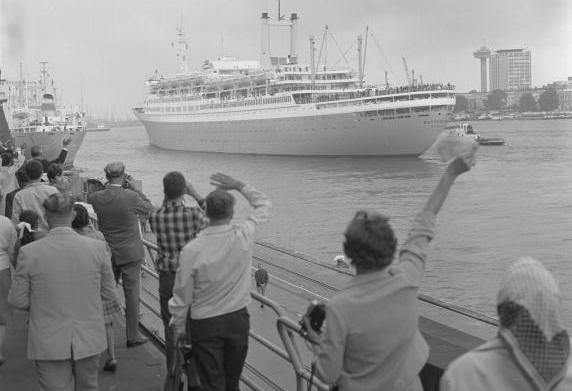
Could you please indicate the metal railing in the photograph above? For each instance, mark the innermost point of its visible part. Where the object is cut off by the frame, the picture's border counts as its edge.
(287, 330)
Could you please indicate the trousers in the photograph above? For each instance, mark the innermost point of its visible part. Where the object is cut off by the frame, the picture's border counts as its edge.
(166, 282)
(130, 274)
(220, 345)
(68, 375)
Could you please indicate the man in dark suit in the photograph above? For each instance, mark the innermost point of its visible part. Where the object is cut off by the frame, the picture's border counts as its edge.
(118, 208)
(36, 152)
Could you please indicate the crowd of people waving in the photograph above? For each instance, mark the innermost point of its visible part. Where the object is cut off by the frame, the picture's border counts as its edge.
(61, 260)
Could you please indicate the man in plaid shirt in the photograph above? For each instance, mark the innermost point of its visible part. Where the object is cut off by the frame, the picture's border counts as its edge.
(174, 225)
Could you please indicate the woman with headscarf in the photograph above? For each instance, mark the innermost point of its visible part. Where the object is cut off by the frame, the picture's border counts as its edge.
(531, 351)
(372, 340)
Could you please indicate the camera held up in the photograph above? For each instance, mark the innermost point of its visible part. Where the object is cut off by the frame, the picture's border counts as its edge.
(126, 184)
(316, 314)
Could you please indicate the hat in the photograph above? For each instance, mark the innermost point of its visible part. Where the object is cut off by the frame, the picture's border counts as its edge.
(114, 170)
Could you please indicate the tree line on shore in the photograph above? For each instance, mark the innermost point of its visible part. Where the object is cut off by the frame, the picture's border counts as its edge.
(497, 100)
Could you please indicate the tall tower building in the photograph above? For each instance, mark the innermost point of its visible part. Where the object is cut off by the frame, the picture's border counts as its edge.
(510, 69)
(483, 53)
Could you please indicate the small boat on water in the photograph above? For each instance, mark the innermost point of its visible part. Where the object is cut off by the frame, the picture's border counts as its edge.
(465, 130)
(98, 128)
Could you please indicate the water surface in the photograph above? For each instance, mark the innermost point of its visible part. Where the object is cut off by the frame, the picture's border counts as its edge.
(517, 200)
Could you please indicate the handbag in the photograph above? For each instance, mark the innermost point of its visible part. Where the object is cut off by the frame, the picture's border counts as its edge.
(174, 380)
(191, 374)
(183, 374)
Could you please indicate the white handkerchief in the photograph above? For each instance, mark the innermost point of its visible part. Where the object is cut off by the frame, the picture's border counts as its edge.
(449, 146)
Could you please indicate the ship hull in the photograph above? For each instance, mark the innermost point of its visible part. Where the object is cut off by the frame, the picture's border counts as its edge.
(51, 143)
(314, 134)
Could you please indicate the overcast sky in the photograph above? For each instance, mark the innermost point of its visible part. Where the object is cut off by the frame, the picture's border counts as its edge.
(103, 50)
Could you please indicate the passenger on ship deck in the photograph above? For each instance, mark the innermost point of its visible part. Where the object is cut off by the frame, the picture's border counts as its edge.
(27, 230)
(22, 180)
(61, 280)
(214, 279)
(174, 225)
(36, 153)
(8, 240)
(82, 225)
(33, 194)
(118, 209)
(261, 280)
(11, 162)
(531, 351)
(59, 178)
(371, 340)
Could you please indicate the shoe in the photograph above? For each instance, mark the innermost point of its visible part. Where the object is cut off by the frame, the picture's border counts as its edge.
(110, 365)
(137, 342)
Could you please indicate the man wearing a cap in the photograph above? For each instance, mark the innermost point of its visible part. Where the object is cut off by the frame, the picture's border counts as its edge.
(118, 208)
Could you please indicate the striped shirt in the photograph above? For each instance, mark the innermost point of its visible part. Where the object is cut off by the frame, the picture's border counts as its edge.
(174, 225)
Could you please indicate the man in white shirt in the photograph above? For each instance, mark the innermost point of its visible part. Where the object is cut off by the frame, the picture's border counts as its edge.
(213, 282)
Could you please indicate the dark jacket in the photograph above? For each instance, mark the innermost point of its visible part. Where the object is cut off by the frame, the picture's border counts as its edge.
(59, 160)
(117, 212)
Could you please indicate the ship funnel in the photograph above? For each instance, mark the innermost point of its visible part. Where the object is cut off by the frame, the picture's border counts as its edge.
(293, 38)
(265, 41)
(48, 103)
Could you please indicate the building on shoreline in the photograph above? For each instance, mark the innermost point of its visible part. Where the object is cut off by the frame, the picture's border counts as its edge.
(510, 70)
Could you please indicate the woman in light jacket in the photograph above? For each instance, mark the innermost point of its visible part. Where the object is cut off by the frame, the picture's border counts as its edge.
(371, 340)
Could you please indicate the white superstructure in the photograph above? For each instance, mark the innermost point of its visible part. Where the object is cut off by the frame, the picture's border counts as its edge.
(285, 108)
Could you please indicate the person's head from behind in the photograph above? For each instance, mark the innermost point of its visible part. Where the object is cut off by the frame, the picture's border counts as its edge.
(7, 159)
(81, 219)
(174, 185)
(370, 242)
(220, 207)
(59, 210)
(530, 317)
(93, 185)
(115, 172)
(21, 176)
(34, 170)
(54, 172)
(36, 152)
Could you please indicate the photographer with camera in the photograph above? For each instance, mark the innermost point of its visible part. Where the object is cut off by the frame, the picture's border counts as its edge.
(118, 208)
(371, 339)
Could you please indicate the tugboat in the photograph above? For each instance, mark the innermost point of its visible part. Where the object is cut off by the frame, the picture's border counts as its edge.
(465, 130)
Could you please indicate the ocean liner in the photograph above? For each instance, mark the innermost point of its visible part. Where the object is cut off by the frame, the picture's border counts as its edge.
(30, 116)
(277, 106)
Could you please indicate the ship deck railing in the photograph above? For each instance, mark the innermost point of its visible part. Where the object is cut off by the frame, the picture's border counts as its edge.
(453, 329)
(288, 331)
(372, 91)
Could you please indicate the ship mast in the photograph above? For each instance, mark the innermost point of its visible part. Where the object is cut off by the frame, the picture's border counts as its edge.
(182, 47)
(44, 73)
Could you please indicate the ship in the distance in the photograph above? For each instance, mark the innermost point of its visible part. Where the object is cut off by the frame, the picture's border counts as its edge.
(31, 116)
(277, 106)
